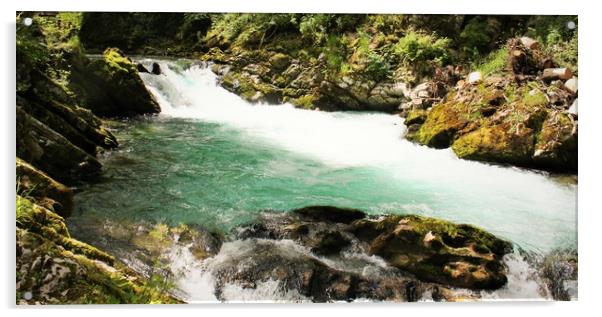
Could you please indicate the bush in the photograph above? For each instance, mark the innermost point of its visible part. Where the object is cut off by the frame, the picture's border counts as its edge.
(418, 47)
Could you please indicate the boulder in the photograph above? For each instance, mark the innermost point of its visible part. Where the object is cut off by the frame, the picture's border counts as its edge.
(436, 250)
(141, 68)
(156, 70)
(111, 86)
(499, 143)
(441, 125)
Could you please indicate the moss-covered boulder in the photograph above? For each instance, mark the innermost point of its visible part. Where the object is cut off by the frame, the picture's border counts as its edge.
(441, 125)
(111, 86)
(45, 190)
(436, 250)
(500, 143)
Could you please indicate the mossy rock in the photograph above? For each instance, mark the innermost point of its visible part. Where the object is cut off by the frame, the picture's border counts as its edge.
(501, 143)
(441, 125)
(416, 116)
(51, 152)
(111, 86)
(556, 145)
(436, 250)
(37, 184)
(57, 269)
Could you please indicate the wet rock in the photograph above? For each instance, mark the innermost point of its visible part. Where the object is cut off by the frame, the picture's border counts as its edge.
(111, 86)
(156, 70)
(560, 273)
(331, 243)
(436, 250)
(141, 68)
(329, 214)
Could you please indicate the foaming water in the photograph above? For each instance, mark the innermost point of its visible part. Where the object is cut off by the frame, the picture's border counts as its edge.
(525, 206)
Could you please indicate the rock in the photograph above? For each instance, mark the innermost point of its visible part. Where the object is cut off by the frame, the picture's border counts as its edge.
(330, 214)
(556, 146)
(571, 85)
(40, 186)
(573, 108)
(441, 125)
(500, 143)
(111, 86)
(474, 78)
(415, 116)
(530, 43)
(51, 152)
(279, 61)
(141, 68)
(331, 243)
(436, 250)
(56, 269)
(156, 69)
(557, 73)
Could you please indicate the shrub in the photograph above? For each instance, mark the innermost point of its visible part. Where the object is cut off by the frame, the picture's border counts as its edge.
(418, 47)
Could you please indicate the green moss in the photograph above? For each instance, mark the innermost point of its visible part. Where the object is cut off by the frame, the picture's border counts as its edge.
(499, 143)
(442, 123)
(495, 63)
(305, 102)
(416, 116)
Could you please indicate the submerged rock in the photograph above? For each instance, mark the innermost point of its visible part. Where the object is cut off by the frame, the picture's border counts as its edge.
(111, 86)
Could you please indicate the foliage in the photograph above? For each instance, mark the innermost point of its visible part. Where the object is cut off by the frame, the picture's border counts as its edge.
(419, 47)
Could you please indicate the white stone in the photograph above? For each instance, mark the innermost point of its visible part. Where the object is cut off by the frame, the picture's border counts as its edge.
(474, 77)
(573, 108)
(571, 85)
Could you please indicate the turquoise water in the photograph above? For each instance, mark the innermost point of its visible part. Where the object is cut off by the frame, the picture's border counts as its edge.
(212, 159)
